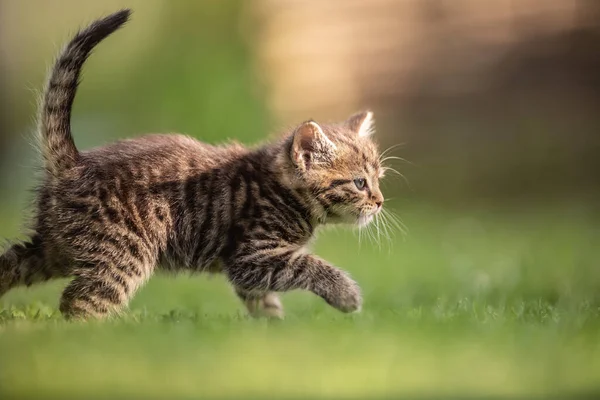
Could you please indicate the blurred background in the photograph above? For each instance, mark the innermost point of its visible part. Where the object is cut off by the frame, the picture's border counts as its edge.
(495, 105)
(493, 101)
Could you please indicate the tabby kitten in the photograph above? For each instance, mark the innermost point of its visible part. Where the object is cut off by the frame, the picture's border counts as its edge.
(110, 216)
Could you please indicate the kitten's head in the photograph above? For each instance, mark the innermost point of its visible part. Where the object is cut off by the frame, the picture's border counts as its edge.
(339, 164)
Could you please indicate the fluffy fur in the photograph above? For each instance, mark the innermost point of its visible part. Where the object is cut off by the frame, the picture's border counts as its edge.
(111, 216)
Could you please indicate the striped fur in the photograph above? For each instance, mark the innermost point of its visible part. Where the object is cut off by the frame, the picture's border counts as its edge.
(111, 216)
(55, 112)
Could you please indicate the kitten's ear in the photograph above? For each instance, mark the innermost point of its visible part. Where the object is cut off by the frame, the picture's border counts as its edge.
(362, 123)
(310, 145)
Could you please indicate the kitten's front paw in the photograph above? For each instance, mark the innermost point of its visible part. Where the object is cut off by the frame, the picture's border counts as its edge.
(347, 297)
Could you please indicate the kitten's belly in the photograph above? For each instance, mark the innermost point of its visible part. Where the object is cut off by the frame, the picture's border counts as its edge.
(175, 259)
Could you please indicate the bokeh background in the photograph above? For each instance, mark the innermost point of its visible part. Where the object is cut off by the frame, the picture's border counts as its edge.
(496, 107)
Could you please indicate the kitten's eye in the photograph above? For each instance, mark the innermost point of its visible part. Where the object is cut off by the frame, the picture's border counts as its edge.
(360, 183)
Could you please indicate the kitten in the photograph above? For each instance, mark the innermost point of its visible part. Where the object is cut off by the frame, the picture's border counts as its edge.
(110, 216)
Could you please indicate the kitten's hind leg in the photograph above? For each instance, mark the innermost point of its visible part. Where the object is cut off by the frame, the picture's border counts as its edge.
(24, 264)
(262, 305)
(101, 289)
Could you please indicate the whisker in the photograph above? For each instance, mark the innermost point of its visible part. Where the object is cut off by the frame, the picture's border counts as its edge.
(378, 233)
(388, 234)
(370, 233)
(396, 222)
(385, 219)
(359, 235)
(383, 153)
(384, 231)
(399, 174)
(396, 158)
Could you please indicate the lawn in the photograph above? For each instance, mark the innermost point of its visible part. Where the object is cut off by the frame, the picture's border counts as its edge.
(492, 303)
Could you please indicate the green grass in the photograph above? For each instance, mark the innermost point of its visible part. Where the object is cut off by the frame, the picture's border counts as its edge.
(484, 303)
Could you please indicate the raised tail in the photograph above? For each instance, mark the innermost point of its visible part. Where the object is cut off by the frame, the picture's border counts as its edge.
(23, 264)
(58, 146)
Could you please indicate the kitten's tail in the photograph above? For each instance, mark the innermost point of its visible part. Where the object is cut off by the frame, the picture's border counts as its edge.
(58, 146)
(23, 264)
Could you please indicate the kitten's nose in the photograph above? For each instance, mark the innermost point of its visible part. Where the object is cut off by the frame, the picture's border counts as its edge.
(378, 199)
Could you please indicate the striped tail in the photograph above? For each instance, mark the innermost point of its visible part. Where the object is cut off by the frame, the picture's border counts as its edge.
(58, 146)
